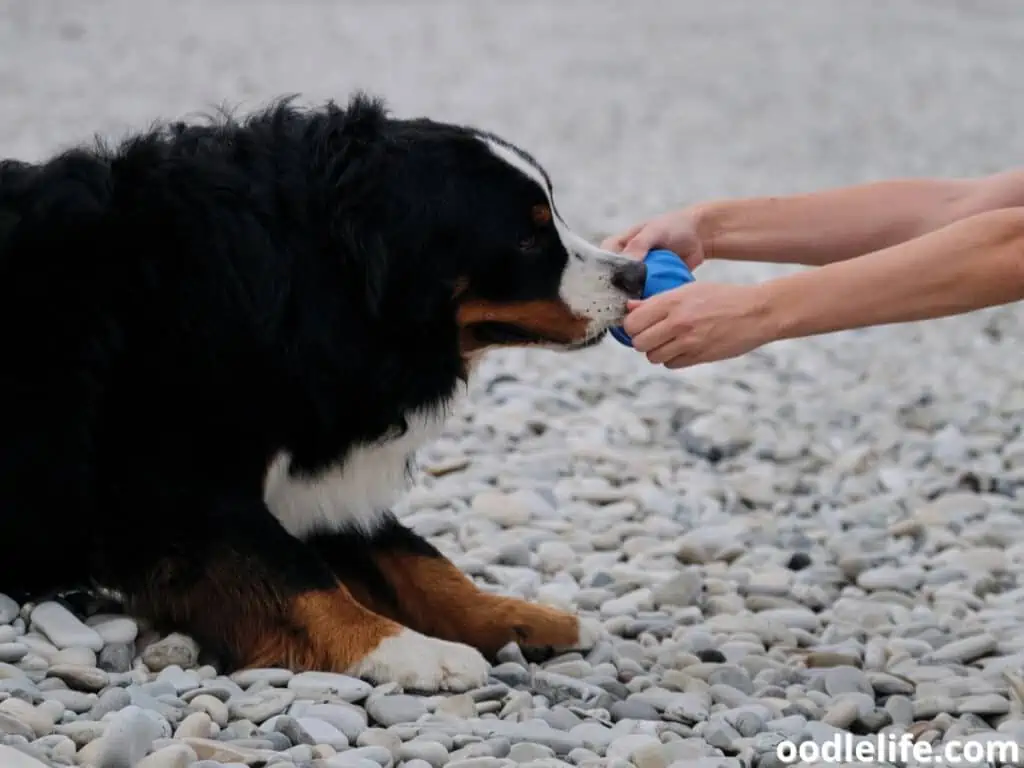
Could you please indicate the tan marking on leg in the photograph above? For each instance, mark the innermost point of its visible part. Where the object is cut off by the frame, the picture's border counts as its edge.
(237, 607)
(437, 599)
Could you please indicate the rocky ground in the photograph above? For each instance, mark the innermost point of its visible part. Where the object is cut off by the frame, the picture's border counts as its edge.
(825, 536)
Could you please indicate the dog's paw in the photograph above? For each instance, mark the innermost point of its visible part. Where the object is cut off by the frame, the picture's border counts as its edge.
(538, 629)
(420, 663)
(591, 632)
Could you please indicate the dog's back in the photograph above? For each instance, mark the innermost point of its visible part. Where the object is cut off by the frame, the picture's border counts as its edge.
(51, 331)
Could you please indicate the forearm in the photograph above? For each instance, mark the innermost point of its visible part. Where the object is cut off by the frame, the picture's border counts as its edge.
(839, 224)
(972, 264)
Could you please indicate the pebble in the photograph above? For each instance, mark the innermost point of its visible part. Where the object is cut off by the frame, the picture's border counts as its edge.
(272, 677)
(625, 747)
(116, 657)
(171, 756)
(12, 653)
(37, 718)
(322, 732)
(15, 758)
(964, 651)
(394, 709)
(63, 628)
(348, 719)
(175, 649)
(128, 737)
(198, 724)
(117, 630)
(9, 609)
(261, 705)
(846, 679)
(89, 679)
(428, 751)
(343, 687)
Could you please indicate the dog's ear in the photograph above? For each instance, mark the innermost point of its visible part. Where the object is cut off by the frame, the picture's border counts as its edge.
(366, 261)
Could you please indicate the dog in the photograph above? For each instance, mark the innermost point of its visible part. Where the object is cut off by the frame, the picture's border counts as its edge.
(224, 342)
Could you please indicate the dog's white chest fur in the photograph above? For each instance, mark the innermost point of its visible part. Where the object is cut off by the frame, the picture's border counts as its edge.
(357, 493)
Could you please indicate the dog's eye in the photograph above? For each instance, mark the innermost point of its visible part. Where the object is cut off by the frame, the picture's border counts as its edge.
(528, 243)
(541, 215)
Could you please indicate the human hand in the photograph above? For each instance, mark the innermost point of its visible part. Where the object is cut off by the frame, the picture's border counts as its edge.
(700, 323)
(675, 231)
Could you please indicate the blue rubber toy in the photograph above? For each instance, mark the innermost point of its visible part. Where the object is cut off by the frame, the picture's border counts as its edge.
(665, 271)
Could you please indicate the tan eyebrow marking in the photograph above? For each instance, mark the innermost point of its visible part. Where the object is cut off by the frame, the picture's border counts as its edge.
(541, 214)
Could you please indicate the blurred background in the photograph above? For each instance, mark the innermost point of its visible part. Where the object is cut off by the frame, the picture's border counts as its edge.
(634, 107)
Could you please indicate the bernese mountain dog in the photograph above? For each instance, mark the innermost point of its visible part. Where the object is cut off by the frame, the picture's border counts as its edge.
(223, 342)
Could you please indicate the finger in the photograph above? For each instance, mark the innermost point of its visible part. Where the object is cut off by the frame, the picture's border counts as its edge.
(654, 336)
(648, 313)
(617, 242)
(642, 241)
(614, 243)
(668, 350)
(638, 247)
(682, 361)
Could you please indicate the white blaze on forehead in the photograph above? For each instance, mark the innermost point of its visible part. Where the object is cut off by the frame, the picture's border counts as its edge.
(586, 286)
(520, 163)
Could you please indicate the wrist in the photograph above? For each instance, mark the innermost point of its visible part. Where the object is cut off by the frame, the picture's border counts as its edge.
(706, 221)
(777, 312)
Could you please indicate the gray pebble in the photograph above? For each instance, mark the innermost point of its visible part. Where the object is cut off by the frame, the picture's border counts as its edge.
(74, 701)
(461, 705)
(421, 749)
(378, 755)
(261, 705)
(126, 740)
(110, 700)
(966, 650)
(274, 677)
(344, 687)
(844, 679)
(624, 747)
(175, 649)
(89, 679)
(9, 609)
(116, 657)
(170, 756)
(63, 628)
(12, 652)
(510, 673)
(634, 710)
(181, 680)
(346, 718)
(399, 708)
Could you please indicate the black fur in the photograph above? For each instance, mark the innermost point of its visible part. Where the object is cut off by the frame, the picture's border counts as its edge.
(177, 309)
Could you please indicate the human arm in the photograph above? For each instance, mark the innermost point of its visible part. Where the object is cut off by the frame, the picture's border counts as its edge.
(821, 227)
(971, 264)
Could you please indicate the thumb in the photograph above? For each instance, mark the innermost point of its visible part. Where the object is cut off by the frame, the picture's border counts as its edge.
(639, 245)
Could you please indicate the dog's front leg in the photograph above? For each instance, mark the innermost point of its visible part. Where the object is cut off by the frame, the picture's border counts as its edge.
(401, 575)
(261, 598)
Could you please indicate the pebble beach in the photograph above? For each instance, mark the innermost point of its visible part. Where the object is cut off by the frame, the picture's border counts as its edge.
(823, 539)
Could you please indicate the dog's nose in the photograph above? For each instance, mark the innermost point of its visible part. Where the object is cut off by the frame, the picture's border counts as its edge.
(630, 278)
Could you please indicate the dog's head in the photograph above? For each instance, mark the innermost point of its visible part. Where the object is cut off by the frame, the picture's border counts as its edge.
(469, 210)
(527, 279)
